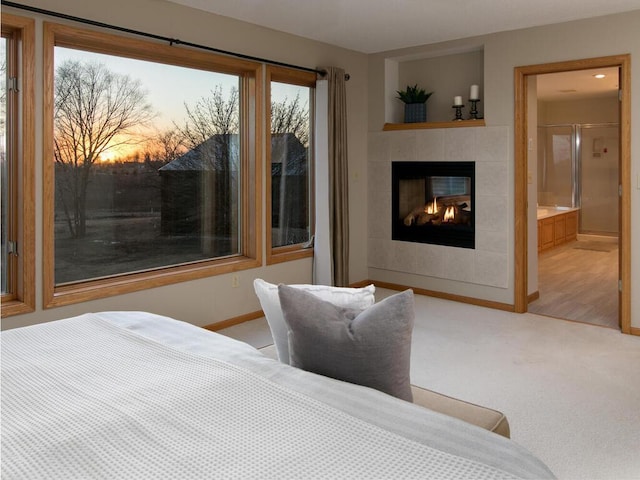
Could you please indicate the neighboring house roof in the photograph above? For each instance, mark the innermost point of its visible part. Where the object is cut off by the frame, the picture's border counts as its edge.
(213, 153)
(287, 150)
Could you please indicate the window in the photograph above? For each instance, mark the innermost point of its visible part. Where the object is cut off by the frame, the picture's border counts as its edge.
(290, 164)
(16, 165)
(150, 164)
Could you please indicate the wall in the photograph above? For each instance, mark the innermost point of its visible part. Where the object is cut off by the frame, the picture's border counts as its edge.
(209, 300)
(617, 34)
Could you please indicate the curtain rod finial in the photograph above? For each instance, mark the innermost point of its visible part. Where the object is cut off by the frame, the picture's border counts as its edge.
(323, 73)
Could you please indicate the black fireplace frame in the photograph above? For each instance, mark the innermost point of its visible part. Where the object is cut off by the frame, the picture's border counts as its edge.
(462, 236)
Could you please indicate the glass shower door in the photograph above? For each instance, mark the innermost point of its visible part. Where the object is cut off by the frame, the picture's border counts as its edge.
(599, 179)
(556, 186)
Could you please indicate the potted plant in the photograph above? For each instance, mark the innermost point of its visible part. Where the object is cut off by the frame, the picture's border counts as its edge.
(415, 103)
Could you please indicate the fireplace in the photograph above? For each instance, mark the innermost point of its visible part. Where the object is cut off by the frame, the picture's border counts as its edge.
(432, 202)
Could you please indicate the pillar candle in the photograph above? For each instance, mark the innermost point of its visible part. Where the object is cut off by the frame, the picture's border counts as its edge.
(474, 94)
(457, 100)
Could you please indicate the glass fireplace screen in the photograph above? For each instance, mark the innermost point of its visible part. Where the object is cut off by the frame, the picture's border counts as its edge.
(433, 202)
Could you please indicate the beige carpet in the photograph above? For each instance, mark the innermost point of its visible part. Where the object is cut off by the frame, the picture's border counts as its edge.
(571, 391)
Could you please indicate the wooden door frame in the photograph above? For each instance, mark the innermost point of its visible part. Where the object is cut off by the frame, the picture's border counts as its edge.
(623, 62)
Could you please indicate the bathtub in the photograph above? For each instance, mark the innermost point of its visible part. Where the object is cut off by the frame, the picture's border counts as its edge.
(556, 225)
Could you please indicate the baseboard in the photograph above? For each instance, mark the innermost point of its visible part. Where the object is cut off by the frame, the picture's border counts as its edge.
(214, 327)
(394, 286)
(361, 283)
(598, 238)
(445, 296)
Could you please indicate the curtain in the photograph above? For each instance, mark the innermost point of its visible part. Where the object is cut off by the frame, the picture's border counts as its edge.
(338, 175)
(331, 246)
(322, 258)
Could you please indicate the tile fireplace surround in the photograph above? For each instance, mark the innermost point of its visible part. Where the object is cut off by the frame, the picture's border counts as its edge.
(440, 267)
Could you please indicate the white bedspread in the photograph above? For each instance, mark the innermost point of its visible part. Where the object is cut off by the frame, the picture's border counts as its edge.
(135, 395)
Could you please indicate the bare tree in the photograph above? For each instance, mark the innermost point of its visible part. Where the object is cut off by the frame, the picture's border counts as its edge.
(213, 115)
(95, 111)
(165, 146)
(291, 117)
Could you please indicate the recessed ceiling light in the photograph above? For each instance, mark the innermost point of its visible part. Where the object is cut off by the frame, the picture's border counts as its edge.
(600, 75)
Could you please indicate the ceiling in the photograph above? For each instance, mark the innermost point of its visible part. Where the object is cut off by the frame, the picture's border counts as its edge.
(577, 85)
(371, 26)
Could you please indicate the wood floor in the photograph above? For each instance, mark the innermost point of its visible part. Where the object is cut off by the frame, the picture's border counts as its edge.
(579, 281)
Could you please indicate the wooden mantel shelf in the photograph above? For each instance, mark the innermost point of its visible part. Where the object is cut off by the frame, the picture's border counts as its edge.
(415, 126)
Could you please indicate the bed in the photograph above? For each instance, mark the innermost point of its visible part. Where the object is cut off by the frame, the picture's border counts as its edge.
(138, 395)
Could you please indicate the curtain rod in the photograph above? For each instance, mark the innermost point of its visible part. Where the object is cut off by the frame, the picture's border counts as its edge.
(171, 41)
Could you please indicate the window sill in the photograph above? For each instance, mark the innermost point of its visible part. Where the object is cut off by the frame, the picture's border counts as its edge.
(95, 289)
(15, 307)
(288, 254)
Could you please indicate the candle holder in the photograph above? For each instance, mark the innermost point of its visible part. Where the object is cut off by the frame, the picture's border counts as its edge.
(458, 112)
(473, 114)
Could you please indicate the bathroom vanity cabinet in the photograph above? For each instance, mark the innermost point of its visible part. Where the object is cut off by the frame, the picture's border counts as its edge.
(556, 228)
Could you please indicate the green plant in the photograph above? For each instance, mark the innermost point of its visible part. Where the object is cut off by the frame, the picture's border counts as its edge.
(414, 94)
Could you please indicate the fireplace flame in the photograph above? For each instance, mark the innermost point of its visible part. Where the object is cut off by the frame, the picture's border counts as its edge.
(449, 214)
(432, 208)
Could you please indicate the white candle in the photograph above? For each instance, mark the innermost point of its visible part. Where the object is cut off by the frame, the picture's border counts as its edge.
(457, 100)
(474, 93)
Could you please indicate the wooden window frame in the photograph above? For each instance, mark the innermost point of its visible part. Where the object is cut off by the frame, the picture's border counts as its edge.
(287, 253)
(21, 228)
(251, 91)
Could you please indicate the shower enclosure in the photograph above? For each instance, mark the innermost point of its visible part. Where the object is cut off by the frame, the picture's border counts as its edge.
(578, 167)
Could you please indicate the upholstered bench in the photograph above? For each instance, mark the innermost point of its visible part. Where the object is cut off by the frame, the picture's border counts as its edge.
(486, 418)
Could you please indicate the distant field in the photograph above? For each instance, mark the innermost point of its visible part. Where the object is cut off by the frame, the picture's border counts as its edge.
(120, 244)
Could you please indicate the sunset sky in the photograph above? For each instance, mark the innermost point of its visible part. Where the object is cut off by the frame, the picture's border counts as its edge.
(168, 87)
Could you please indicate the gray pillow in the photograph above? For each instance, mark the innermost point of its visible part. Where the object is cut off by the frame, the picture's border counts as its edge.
(370, 347)
(268, 295)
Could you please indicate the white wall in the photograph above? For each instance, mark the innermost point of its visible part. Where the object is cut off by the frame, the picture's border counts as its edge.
(616, 34)
(209, 300)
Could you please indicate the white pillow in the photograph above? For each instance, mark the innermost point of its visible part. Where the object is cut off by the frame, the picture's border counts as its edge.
(356, 298)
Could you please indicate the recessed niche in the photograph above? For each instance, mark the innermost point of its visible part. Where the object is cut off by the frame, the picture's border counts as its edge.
(447, 76)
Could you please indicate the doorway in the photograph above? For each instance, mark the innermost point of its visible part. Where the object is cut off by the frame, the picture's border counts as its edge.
(577, 179)
(525, 212)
